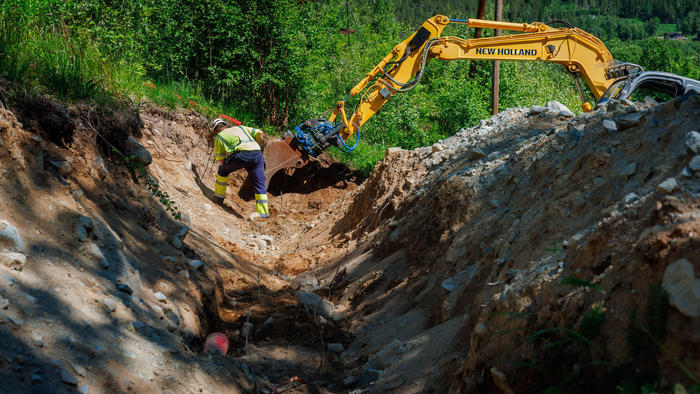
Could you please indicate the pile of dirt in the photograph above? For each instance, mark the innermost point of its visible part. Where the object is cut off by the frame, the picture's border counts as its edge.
(519, 255)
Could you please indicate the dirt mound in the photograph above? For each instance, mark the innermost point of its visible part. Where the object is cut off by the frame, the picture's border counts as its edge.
(481, 247)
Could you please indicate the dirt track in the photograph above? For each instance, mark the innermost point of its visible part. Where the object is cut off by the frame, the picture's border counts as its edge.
(443, 267)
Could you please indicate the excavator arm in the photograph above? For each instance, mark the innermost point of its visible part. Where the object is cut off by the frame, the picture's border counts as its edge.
(578, 52)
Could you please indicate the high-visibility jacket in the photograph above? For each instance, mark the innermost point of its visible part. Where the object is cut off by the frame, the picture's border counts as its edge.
(235, 139)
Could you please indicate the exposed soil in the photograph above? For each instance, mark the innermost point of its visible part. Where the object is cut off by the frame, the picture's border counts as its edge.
(447, 268)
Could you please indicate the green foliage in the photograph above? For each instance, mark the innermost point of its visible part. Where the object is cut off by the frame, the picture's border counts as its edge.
(152, 186)
(275, 63)
(53, 60)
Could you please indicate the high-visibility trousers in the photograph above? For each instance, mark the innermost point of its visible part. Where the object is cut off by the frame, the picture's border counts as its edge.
(254, 163)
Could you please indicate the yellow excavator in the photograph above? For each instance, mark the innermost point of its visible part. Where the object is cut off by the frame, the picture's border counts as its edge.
(580, 53)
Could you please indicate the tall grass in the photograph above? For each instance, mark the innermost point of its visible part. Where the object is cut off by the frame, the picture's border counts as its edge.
(58, 63)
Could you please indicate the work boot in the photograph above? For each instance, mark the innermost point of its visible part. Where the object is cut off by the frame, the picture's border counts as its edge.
(255, 216)
(218, 201)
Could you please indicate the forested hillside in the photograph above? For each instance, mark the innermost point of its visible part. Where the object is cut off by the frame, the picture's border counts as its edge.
(622, 19)
(275, 63)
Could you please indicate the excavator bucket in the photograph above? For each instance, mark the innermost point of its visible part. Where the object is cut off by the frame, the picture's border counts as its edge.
(279, 155)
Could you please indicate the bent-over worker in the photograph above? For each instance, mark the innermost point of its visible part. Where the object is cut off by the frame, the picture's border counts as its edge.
(235, 148)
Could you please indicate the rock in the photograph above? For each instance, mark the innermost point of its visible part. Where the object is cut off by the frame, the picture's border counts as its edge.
(336, 347)
(692, 142)
(448, 284)
(188, 166)
(630, 198)
(68, 378)
(79, 369)
(160, 297)
(437, 147)
(383, 358)
(123, 287)
(577, 132)
(306, 280)
(64, 166)
(182, 232)
(137, 325)
(4, 303)
(499, 379)
(83, 226)
(259, 243)
(537, 109)
(168, 259)
(390, 151)
(476, 154)
(9, 237)
(686, 173)
(395, 235)
(480, 329)
(93, 251)
(369, 376)
(493, 156)
(609, 125)
(267, 238)
(134, 147)
(556, 108)
(494, 203)
(196, 264)
(694, 164)
(99, 167)
(84, 388)
(630, 169)
(13, 260)
(176, 242)
(629, 120)
(36, 138)
(683, 287)
(109, 304)
(668, 186)
(315, 304)
(650, 101)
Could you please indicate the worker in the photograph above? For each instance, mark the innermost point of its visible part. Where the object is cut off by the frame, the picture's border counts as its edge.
(235, 148)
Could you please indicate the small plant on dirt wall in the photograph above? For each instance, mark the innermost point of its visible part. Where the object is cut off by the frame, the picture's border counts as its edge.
(152, 186)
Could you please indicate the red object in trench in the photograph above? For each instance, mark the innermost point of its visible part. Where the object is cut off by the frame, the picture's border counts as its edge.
(216, 342)
(235, 122)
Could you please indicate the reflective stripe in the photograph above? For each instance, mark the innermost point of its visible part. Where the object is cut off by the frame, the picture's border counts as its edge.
(261, 196)
(265, 215)
(250, 138)
(219, 195)
(221, 183)
(261, 201)
(220, 190)
(262, 208)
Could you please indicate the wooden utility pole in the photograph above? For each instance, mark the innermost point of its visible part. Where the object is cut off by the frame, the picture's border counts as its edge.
(496, 63)
(477, 33)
